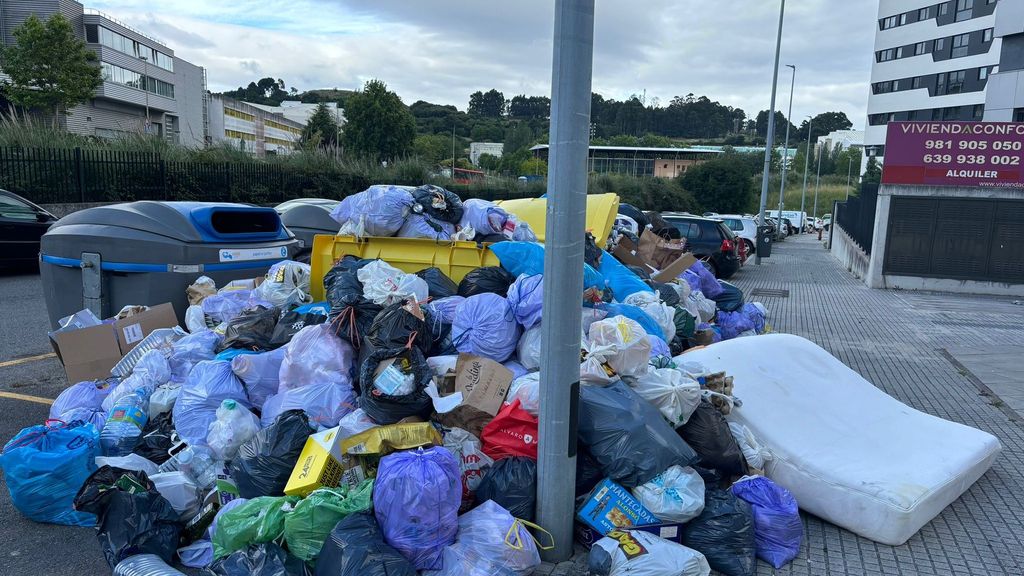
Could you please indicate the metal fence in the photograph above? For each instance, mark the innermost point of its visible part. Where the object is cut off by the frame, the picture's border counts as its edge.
(64, 175)
(857, 216)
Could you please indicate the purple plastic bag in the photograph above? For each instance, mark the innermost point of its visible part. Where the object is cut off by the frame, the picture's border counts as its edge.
(82, 401)
(658, 347)
(778, 531)
(325, 403)
(379, 210)
(755, 315)
(416, 499)
(708, 283)
(423, 226)
(190, 350)
(443, 309)
(228, 305)
(526, 297)
(732, 324)
(485, 325)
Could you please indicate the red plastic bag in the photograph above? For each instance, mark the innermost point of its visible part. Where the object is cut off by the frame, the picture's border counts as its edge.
(513, 432)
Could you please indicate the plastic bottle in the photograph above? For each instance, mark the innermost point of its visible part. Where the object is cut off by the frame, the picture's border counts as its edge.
(197, 464)
(144, 565)
(124, 424)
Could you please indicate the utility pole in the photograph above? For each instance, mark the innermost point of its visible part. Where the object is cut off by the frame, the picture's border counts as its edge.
(571, 75)
(849, 170)
(807, 158)
(785, 151)
(145, 88)
(817, 184)
(769, 142)
(453, 151)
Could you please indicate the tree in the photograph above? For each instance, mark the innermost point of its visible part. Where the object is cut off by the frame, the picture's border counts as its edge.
(488, 161)
(872, 172)
(321, 129)
(487, 131)
(847, 161)
(379, 126)
(490, 104)
(523, 107)
(48, 66)
(432, 148)
(761, 124)
(721, 184)
(518, 136)
(533, 167)
(824, 123)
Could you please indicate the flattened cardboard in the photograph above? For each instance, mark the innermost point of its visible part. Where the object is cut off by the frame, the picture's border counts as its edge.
(673, 270)
(624, 253)
(133, 329)
(482, 381)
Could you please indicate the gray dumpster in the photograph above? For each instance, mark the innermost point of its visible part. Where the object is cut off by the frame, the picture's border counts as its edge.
(149, 252)
(305, 218)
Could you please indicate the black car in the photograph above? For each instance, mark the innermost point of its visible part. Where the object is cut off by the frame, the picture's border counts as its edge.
(710, 240)
(22, 224)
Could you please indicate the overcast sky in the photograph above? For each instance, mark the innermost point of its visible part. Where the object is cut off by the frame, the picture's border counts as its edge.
(443, 50)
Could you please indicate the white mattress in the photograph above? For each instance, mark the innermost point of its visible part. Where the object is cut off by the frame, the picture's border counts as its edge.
(848, 452)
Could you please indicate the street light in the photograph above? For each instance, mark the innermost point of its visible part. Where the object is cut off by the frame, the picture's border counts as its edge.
(807, 157)
(769, 141)
(785, 151)
(817, 184)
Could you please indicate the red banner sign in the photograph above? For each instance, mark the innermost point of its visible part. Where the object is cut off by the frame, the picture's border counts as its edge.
(987, 154)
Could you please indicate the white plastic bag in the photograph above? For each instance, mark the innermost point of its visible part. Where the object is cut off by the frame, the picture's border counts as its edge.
(589, 316)
(316, 355)
(162, 399)
(129, 462)
(673, 393)
(473, 463)
(325, 403)
(631, 349)
(179, 490)
(526, 389)
(675, 495)
(615, 555)
(233, 426)
(260, 373)
(195, 318)
(210, 383)
(384, 284)
(592, 369)
(756, 455)
(529, 348)
(151, 371)
(662, 314)
(705, 307)
(353, 423)
(490, 542)
(286, 283)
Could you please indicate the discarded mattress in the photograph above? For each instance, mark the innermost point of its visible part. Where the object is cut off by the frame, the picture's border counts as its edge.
(848, 452)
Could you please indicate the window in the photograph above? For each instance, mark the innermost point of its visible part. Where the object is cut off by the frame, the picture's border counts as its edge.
(937, 114)
(940, 43)
(899, 52)
(944, 8)
(235, 134)
(1018, 115)
(983, 73)
(886, 55)
(924, 13)
(92, 34)
(903, 19)
(883, 87)
(940, 83)
(952, 113)
(895, 85)
(955, 83)
(132, 48)
(916, 83)
(120, 75)
(964, 10)
(889, 22)
(979, 111)
(986, 36)
(961, 45)
(919, 48)
(239, 114)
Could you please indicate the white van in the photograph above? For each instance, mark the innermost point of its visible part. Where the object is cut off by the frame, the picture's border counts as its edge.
(797, 218)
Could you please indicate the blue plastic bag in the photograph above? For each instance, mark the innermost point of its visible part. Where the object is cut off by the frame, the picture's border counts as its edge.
(416, 499)
(526, 297)
(45, 466)
(485, 325)
(658, 347)
(778, 531)
(528, 258)
(708, 283)
(314, 308)
(693, 279)
(190, 350)
(620, 279)
(633, 313)
(732, 324)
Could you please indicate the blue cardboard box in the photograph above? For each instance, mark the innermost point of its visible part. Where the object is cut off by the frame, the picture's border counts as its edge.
(612, 506)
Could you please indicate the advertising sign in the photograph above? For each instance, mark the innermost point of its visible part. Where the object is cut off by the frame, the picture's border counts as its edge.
(986, 154)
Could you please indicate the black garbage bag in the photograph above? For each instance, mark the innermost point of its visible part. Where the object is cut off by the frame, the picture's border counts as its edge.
(639, 217)
(724, 534)
(588, 470)
(397, 327)
(157, 439)
(353, 321)
(351, 314)
(627, 435)
(667, 293)
(485, 279)
(512, 483)
(266, 559)
(591, 251)
(385, 408)
(265, 461)
(711, 478)
(356, 547)
(490, 238)
(290, 323)
(132, 517)
(342, 278)
(251, 330)
(640, 271)
(708, 434)
(731, 298)
(438, 284)
(439, 203)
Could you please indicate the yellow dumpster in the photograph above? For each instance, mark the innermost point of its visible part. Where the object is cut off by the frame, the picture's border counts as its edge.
(601, 212)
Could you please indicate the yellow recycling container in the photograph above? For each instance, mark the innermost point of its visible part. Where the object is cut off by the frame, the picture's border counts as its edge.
(455, 259)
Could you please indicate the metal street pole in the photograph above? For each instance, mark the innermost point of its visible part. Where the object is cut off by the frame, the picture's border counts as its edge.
(453, 151)
(145, 88)
(817, 184)
(849, 169)
(785, 151)
(770, 140)
(807, 158)
(571, 74)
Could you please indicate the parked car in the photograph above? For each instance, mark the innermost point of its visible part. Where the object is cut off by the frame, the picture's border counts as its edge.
(744, 227)
(708, 239)
(22, 224)
(826, 221)
(307, 217)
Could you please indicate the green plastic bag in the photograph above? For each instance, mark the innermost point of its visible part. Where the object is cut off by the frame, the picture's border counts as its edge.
(306, 527)
(257, 521)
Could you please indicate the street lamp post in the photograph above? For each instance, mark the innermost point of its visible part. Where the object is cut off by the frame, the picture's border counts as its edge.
(817, 184)
(785, 151)
(769, 141)
(849, 171)
(145, 89)
(807, 158)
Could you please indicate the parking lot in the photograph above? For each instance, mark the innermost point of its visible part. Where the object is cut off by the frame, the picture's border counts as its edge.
(905, 343)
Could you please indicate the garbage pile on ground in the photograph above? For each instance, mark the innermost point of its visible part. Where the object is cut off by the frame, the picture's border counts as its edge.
(393, 427)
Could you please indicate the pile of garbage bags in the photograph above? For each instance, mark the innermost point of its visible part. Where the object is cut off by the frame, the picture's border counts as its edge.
(393, 428)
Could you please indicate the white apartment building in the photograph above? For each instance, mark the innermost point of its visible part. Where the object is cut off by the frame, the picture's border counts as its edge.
(478, 148)
(933, 61)
(300, 112)
(841, 139)
(251, 128)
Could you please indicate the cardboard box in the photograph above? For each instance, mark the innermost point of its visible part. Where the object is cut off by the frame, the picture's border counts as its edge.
(612, 506)
(673, 270)
(673, 531)
(482, 381)
(318, 465)
(90, 353)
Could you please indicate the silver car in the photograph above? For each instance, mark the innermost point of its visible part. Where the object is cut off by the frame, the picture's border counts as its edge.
(742, 227)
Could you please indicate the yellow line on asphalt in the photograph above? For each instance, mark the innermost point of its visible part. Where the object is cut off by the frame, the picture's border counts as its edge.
(27, 359)
(26, 398)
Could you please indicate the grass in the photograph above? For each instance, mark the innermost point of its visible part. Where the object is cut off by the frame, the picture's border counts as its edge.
(832, 188)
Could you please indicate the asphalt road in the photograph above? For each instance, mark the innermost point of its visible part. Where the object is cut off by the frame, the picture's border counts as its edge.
(27, 547)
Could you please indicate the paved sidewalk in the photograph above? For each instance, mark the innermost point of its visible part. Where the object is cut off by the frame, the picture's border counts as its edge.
(897, 340)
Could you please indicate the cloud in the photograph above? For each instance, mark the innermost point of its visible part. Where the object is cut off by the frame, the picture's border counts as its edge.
(443, 50)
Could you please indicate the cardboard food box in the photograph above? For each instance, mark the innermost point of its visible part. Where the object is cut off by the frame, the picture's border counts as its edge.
(587, 536)
(90, 353)
(471, 396)
(318, 465)
(612, 506)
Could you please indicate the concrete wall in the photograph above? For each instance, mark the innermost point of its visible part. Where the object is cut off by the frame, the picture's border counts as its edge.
(848, 253)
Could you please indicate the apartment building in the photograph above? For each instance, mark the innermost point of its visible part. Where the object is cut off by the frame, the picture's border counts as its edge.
(146, 88)
(251, 128)
(934, 60)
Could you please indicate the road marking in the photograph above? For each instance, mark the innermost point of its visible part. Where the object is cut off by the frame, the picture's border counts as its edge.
(26, 398)
(27, 359)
